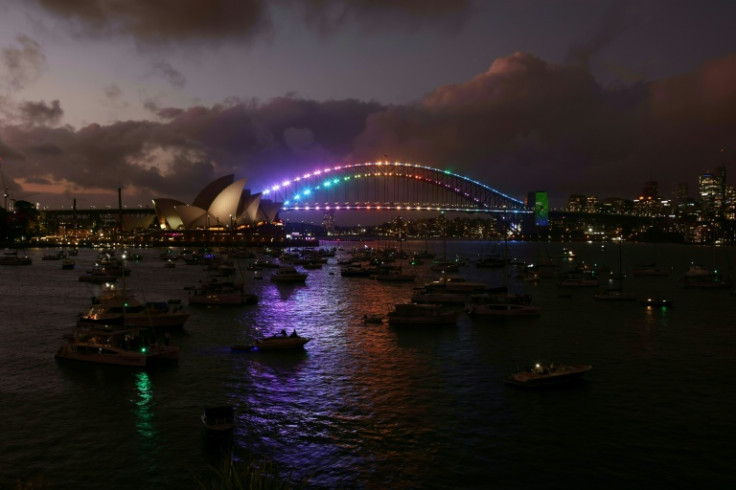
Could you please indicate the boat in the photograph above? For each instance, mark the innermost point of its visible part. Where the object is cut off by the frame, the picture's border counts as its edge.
(458, 284)
(503, 305)
(281, 341)
(652, 302)
(614, 295)
(355, 271)
(288, 274)
(12, 258)
(576, 280)
(650, 270)
(548, 374)
(116, 345)
(68, 263)
(217, 292)
(121, 307)
(395, 275)
(414, 314)
(98, 275)
(219, 419)
(54, 255)
(373, 318)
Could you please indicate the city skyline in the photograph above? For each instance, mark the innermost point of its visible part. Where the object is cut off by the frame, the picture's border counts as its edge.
(567, 97)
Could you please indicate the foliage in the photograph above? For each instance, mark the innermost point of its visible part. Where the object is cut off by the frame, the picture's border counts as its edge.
(234, 475)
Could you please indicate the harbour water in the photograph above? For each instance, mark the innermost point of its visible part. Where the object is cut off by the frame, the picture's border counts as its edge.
(371, 406)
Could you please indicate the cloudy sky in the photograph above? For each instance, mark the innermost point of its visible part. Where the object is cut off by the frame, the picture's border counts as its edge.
(568, 96)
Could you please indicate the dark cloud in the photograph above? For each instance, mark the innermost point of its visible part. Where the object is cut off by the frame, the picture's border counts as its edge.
(173, 76)
(41, 112)
(113, 92)
(524, 124)
(329, 16)
(612, 25)
(527, 124)
(21, 64)
(181, 21)
(162, 22)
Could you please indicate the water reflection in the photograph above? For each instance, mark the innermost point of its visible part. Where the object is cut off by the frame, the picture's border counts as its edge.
(143, 404)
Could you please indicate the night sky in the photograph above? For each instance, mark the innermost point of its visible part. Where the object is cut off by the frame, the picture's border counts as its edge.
(568, 96)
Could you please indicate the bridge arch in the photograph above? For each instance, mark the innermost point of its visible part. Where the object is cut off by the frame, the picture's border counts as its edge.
(386, 186)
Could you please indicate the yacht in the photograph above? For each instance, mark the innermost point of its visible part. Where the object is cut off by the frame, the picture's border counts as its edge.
(122, 307)
(541, 375)
(287, 273)
(503, 305)
(117, 345)
(413, 314)
(217, 292)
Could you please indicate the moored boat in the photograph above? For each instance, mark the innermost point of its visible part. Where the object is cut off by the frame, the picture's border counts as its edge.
(656, 302)
(281, 342)
(122, 307)
(288, 274)
(503, 305)
(116, 345)
(413, 314)
(547, 374)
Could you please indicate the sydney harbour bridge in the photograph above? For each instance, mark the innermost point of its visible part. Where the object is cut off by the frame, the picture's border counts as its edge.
(388, 186)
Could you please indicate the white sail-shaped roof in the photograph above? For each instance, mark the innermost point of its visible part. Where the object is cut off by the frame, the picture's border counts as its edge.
(224, 209)
(269, 209)
(166, 212)
(249, 207)
(207, 195)
(191, 216)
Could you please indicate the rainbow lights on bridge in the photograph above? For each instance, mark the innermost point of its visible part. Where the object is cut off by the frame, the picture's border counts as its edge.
(297, 192)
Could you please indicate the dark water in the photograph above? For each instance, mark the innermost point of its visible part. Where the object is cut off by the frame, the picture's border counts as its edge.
(369, 406)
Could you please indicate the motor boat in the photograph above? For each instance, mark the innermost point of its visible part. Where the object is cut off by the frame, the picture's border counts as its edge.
(116, 345)
(546, 374)
(281, 341)
(414, 314)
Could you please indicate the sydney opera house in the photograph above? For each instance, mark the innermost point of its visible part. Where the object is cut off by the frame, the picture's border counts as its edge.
(222, 204)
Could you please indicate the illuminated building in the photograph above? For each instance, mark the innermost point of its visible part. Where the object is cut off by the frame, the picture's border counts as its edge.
(222, 204)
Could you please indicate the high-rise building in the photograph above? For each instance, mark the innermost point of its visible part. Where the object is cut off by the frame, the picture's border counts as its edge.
(712, 190)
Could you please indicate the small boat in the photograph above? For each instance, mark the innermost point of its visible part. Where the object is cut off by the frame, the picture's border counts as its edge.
(656, 302)
(68, 264)
(373, 318)
(547, 374)
(219, 419)
(281, 341)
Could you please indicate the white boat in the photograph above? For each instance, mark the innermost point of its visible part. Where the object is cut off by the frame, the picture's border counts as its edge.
(121, 307)
(413, 314)
(541, 375)
(281, 342)
(287, 274)
(121, 346)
